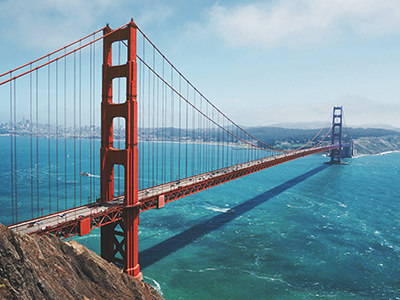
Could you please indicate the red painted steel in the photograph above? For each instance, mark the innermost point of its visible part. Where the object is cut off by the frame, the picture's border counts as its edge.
(161, 201)
(127, 157)
(114, 213)
(71, 228)
(131, 215)
(84, 226)
(106, 167)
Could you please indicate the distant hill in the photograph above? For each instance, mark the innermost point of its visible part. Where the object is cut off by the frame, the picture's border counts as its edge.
(272, 134)
(375, 145)
(367, 140)
(316, 124)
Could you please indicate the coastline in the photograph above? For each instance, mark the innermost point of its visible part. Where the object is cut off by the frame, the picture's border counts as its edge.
(376, 154)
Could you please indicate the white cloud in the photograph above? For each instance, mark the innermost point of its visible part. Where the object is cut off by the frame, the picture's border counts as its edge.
(47, 24)
(157, 13)
(302, 22)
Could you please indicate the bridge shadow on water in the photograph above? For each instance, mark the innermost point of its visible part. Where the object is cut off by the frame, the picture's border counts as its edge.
(157, 252)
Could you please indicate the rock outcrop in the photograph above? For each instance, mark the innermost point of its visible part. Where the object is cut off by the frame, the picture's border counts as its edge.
(44, 267)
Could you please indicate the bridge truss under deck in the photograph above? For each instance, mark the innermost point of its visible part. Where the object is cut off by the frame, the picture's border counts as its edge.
(81, 220)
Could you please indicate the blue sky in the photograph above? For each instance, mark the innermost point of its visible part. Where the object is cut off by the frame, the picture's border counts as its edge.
(261, 62)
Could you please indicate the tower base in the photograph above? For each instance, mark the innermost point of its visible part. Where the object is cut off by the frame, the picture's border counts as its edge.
(335, 163)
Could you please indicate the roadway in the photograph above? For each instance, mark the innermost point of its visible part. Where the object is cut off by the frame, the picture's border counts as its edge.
(74, 215)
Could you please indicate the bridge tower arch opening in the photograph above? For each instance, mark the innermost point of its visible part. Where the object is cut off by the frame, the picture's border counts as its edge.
(119, 241)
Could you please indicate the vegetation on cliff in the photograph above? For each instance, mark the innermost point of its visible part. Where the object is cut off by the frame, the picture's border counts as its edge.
(375, 145)
(366, 140)
(44, 267)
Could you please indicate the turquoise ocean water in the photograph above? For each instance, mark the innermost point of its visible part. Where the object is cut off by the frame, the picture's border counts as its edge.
(302, 230)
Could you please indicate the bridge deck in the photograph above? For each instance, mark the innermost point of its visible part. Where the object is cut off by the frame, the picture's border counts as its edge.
(69, 222)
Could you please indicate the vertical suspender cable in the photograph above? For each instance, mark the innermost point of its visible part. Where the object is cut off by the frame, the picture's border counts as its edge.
(119, 125)
(163, 125)
(31, 136)
(141, 112)
(208, 141)
(221, 138)
(152, 123)
(74, 129)
(149, 157)
(15, 152)
(65, 134)
(201, 137)
(206, 158)
(165, 93)
(90, 123)
(49, 136)
(12, 150)
(217, 132)
(240, 158)
(187, 134)
(94, 115)
(158, 132)
(179, 135)
(204, 124)
(205, 137)
(194, 135)
(139, 101)
(37, 141)
(140, 115)
(225, 144)
(212, 149)
(80, 126)
(172, 128)
(57, 192)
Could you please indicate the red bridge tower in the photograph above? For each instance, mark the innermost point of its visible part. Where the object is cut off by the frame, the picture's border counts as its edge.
(119, 241)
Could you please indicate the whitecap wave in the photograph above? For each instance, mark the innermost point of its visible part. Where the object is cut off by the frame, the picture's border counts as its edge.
(155, 285)
(218, 209)
(268, 278)
(201, 270)
(293, 206)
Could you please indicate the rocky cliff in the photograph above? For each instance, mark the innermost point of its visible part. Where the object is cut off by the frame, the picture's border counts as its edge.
(44, 267)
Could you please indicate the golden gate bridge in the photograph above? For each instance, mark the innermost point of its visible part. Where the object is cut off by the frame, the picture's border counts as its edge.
(161, 140)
